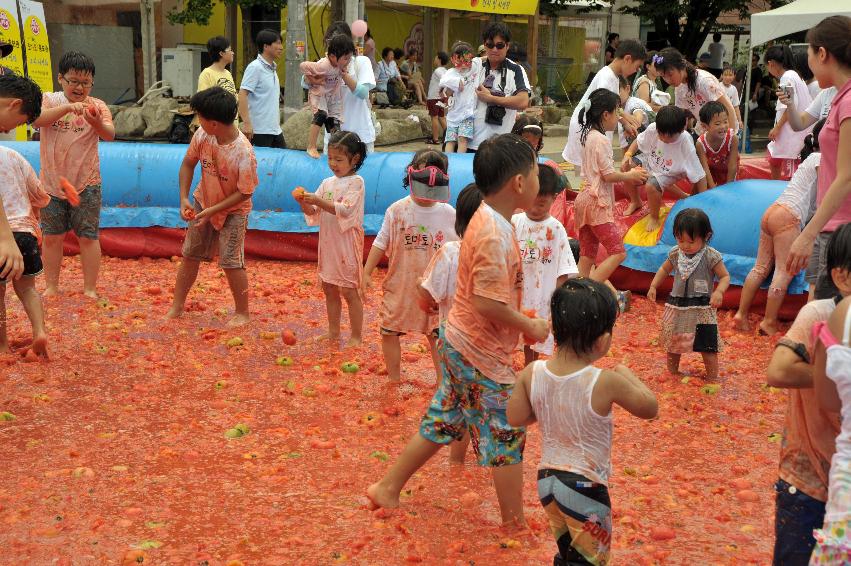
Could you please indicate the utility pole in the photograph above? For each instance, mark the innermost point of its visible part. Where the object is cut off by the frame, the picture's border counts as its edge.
(296, 53)
(351, 11)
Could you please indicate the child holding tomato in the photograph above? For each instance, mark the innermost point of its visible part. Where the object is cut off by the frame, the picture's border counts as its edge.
(71, 124)
(337, 208)
(218, 217)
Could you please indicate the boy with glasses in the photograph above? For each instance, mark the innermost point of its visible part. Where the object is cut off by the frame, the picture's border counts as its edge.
(71, 124)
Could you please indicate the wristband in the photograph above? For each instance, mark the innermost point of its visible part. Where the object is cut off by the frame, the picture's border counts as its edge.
(796, 347)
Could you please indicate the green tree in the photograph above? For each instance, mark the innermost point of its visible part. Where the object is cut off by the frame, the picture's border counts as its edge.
(684, 23)
(200, 11)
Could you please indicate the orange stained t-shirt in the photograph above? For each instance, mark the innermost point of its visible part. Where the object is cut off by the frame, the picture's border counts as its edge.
(410, 235)
(488, 266)
(341, 233)
(69, 147)
(225, 170)
(21, 193)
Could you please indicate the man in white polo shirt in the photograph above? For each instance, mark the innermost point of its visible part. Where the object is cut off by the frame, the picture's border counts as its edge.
(502, 88)
(260, 92)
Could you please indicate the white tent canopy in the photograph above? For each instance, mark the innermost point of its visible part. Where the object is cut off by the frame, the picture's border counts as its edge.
(797, 16)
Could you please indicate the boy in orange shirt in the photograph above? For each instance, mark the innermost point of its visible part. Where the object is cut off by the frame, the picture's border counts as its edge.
(20, 103)
(71, 123)
(219, 216)
(481, 335)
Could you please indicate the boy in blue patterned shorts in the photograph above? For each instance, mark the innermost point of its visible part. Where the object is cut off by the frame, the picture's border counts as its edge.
(480, 336)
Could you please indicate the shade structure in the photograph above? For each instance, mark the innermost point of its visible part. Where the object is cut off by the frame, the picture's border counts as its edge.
(797, 16)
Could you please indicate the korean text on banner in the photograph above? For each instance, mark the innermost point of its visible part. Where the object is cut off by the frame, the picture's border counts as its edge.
(11, 34)
(36, 44)
(516, 7)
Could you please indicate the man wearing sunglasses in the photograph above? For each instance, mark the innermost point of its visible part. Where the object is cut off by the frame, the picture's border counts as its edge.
(502, 87)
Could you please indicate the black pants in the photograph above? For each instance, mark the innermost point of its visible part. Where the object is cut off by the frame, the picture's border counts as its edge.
(795, 517)
(269, 140)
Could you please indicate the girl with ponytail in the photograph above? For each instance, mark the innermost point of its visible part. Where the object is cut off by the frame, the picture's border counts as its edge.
(594, 207)
(786, 143)
(692, 87)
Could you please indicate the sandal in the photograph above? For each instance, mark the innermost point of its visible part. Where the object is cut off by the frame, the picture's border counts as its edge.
(432, 141)
(624, 301)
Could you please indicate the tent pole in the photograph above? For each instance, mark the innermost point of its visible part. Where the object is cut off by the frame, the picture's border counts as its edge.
(748, 91)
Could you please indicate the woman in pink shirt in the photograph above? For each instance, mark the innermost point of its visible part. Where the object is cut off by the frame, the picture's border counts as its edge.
(830, 61)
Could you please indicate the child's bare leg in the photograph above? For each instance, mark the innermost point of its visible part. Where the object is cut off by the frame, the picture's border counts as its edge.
(90, 260)
(334, 307)
(508, 481)
(4, 340)
(674, 362)
(355, 304)
(772, 308)
(450, 147)
(606, 267)
(458, 449)
(462, 144)
(51, 255)
(392, 356)
(635, 203)
(187, 272)
(311, 141)
(586, 264)
(529, 355)
(442, 121)
(385, 492)
(435, 128)
(238, 281)
(654, 203)
(31, 299)
(710, 360)
(435, 356)
(749, 289)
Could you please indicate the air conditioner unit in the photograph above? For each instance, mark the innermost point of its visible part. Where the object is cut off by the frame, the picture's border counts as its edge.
(181, 67)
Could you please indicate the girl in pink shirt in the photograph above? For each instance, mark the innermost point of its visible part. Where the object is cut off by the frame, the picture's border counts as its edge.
(337, 208)
(595, 222)
(414, 229)
(830, 60)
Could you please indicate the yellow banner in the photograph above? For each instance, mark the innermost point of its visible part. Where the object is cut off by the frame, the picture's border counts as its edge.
(36, 44)
(527, 7)
(11, 33)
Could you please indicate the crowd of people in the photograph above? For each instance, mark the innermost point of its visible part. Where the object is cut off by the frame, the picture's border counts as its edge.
(498, 270)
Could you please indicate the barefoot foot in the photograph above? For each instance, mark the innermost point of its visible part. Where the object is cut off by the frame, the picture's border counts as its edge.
(51, 292)
(238, 320)
(91, 294)
(767, 329)
(354, 342)
(652, 224)
(740, 321)
(40, 346)
(381, 497)
(174, 312)
(632, 209)
(313, 153)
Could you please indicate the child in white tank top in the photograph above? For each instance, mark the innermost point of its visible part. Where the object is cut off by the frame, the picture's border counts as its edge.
(572, 402)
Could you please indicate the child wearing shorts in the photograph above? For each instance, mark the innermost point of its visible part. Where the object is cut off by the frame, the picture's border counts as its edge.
(71, 123)
(462, 104)
(20, 103)
(22, 197)
(218, 217)
(480, 337)
(668, 155)
(414, 229)
(572, 401)
(325, 78)
(434, 102)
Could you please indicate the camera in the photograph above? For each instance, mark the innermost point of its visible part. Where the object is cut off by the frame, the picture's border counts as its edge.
(494, 115)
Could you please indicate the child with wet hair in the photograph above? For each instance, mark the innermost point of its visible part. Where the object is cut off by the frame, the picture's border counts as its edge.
(414, 229)
(545, 251)
(530, 129)
(572, 401)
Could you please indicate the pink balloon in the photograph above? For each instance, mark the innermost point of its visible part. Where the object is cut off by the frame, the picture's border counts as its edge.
(359, 28)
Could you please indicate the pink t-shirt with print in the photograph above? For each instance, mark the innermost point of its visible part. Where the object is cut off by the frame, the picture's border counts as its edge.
(69, 147)
(225, 170)
(341, 233)
(829, 144)
(595, 203)
(20, 192)
(488, 266)
(410, 235)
